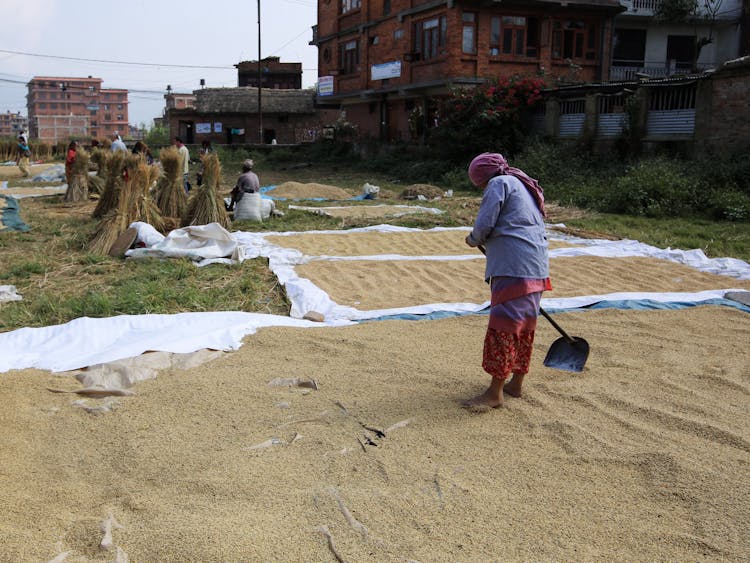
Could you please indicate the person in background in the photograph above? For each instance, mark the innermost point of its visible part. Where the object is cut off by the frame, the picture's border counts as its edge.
(509, 228)
(117, 143)
(142, 148)
(70, 159)
(247, 182)
(23, 154)
(205, 150)
(185, 154)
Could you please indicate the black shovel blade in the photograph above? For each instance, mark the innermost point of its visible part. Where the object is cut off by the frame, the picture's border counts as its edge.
(566, 355)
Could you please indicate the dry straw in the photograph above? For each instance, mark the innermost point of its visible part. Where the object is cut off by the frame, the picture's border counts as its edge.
(135, 203)
(204, 205)
(116, 164)
(78, 189)
(171, 198)
(100, 158)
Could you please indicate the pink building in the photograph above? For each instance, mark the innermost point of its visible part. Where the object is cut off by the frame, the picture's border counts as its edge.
(63, 108)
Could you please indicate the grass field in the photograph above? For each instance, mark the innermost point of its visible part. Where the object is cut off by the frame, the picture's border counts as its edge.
(60, 279)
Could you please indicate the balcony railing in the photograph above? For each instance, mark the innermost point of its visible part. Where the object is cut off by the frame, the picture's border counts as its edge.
(630, 70)
(640, 7)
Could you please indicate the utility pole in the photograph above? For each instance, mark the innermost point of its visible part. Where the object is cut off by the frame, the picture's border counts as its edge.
(260, 82)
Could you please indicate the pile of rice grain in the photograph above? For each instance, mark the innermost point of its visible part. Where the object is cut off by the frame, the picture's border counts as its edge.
(426, 190)
(298, 190)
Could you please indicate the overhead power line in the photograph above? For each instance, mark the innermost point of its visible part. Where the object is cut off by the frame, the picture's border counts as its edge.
(110, 61)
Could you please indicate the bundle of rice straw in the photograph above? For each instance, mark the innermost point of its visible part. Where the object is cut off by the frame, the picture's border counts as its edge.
(134, 204)
(100, 158)
(78, 189)
(113, 183)
(171, 199)
(204, 205)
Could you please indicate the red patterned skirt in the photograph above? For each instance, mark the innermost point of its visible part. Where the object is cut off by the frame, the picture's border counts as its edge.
(514, 308)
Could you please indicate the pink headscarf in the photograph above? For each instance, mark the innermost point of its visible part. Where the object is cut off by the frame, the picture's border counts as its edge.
(490, 164)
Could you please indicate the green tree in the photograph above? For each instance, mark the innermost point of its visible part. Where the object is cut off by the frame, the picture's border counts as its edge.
(157, 136)
(696, 12)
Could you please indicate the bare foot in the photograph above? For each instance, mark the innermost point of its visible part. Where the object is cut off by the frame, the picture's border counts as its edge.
(492, 398)
(513, 387)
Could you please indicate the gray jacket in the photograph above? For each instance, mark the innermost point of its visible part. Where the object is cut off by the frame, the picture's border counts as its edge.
(511, 228)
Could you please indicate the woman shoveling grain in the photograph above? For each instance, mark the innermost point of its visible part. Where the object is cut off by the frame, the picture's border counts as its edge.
(510, 224)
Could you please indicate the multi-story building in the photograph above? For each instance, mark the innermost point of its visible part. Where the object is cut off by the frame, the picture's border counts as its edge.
(273, 74)
(63, 108)
(647, 45)
(379, 59)
(11, 124)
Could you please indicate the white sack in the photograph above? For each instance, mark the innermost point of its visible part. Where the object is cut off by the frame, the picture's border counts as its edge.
(248, 208)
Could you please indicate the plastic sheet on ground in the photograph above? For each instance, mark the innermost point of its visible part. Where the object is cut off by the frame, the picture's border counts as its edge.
(8, 293)
(85, 342)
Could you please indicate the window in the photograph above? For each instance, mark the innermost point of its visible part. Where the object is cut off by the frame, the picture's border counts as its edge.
(398, 34)
(386, 7)
(430, 38)
(514, 35)
(574, 40)
(120, 117)
(349, 57)
(119, 106)
(106, 107)
(469, 38)
(42, 106)
(629, 47)
(350, 5)
(680, 51)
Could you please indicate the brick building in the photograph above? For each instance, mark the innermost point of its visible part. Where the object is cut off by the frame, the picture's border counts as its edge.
(273, 74)
(11, 124)
(381, 59)
(61, 108)
(230, 116)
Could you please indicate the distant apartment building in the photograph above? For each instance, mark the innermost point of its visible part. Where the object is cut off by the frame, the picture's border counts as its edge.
(63, 108)
(11, 124)
(645, 45)
(273, 74)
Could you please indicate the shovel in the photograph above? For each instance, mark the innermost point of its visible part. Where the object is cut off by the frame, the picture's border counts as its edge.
(568, 353)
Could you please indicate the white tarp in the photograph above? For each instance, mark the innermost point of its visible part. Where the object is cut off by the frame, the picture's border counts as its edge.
(198, 243)
(85, 342)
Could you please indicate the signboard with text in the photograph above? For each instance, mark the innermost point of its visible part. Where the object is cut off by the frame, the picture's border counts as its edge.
(325, 86)
(385, 71)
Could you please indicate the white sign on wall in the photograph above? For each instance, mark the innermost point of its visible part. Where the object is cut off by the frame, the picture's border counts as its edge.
(202, 127)
(217, 127)
(325, 85)
(385, 70)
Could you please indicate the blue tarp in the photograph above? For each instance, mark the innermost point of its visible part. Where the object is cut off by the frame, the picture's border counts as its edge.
(10, 219)
(631, 304)
(266, 189)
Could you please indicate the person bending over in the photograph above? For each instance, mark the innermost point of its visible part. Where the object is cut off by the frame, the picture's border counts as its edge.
(509, 227)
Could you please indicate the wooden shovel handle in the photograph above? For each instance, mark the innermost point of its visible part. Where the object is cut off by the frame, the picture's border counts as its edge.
(559, 329)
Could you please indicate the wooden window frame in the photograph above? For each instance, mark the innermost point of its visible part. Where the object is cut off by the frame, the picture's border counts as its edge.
(348, 6)
(577, 40)
(510, 38)
(349, 56)
(430, 42)
(469, 25)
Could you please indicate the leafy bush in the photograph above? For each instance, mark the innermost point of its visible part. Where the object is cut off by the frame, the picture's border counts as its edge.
(486, 118)
(655, 187)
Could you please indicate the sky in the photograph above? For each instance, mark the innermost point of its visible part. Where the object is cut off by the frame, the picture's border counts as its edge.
(162, 42)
